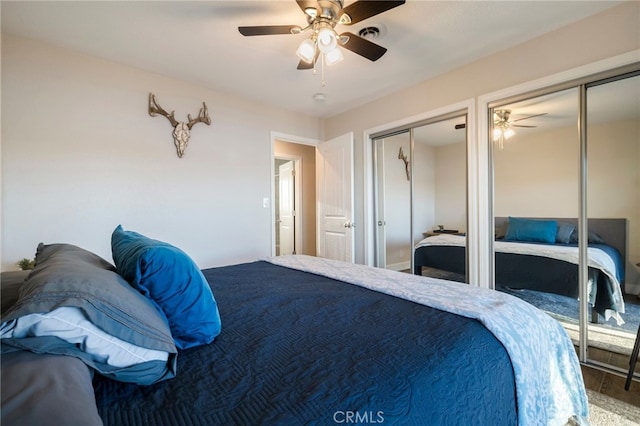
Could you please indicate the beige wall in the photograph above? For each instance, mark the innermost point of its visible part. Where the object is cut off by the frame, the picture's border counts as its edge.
(80, 155)
(425, 189)
(308, 156)
(538, 176)
(605, 35)
(451, 186)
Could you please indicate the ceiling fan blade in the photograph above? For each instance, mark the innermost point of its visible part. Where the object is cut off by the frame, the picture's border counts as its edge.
(267, 30)
(520, 125)
(302, 65)
(531, 116)
(364, 9)
(363, 47)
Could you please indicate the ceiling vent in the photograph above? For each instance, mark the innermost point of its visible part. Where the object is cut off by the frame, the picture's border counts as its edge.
(370, 33)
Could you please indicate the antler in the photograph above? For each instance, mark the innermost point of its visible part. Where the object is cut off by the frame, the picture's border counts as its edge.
(155, 109)
(203, 117)
(403, 157)
(181, 130)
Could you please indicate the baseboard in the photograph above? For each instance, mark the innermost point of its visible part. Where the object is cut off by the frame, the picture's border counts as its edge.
(632, 288)
(402, 266)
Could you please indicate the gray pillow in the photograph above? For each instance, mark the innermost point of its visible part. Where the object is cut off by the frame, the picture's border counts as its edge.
(46, 390)
(592, 237)
(564, 232)
(69, 276)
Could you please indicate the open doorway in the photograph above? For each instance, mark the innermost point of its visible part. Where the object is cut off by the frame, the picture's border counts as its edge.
(286, 209)
(294, 198)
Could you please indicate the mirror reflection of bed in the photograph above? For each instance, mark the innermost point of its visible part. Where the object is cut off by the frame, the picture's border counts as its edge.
(537, 174)
(525, 264)
(547, 274)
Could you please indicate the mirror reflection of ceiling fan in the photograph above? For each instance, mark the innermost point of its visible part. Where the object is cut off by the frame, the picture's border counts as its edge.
(503, 126)
(322, 17)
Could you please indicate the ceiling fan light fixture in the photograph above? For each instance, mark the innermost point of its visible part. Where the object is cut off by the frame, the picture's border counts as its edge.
(502, 132)
(307, 50)
(343, 39)
(327, 40)
(497, 132)
(333, 57)
(508, 132)
(345, 19)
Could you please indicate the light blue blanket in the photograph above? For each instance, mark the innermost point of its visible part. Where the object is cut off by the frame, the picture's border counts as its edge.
(549, 385)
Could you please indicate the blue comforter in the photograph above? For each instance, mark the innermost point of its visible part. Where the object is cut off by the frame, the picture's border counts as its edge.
(301, 348)
(549, 385)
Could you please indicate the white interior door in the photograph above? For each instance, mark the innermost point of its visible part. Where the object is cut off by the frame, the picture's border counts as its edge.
(334, 168)
(286, 208)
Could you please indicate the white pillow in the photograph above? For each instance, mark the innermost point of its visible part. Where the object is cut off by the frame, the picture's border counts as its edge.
(71, 325)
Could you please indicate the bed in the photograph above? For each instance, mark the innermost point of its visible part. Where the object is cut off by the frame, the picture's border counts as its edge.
(303, 340)
(544, 260)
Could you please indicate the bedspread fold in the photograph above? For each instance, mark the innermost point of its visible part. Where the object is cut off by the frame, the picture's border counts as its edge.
(549, 384)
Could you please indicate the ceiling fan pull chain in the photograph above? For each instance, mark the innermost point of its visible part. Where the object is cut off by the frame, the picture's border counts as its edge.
(322, 69)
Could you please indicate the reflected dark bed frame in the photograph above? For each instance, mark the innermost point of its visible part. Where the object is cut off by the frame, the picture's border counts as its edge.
(527, 271)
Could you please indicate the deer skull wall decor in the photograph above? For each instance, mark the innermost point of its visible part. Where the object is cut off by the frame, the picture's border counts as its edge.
(181, 129)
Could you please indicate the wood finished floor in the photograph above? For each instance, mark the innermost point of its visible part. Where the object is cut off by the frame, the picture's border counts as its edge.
(611, 384)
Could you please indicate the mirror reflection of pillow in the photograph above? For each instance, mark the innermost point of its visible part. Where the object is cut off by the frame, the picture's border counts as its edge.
(174, 283)
(531, 230)
(564, 233)
(592, 238)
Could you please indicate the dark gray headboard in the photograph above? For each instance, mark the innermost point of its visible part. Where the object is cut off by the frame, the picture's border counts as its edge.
(612, 231)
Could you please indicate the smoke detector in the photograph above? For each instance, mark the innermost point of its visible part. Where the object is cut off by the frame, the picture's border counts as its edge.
(319, 97)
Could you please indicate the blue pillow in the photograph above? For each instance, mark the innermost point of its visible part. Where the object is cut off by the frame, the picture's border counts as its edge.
(531, 230)
(173, 282)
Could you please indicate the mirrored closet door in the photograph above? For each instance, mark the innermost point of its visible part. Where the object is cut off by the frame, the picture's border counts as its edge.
(393, 190)
(566, 207)
(536, 186)
(613, 208)
(420, 193)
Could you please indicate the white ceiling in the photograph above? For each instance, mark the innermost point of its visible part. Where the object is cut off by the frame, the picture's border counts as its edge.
(199, 42)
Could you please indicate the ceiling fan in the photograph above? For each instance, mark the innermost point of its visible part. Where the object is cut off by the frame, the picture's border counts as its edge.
(502, 126)
(322, 18)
